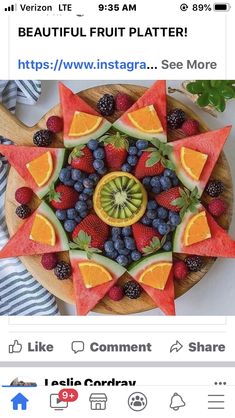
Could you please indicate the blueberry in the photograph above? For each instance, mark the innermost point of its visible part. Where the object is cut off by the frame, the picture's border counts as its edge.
(102, 171)
(156, 190)
(127, 231)
(83, 197)
(155, 181)
(123, 260)
(135, 255)
(142, 144)
(71, 213)
(126, 168)
(99, 154)
(76, 174)
(69, 183)
(69, 225)
(83, 214)
(146, 221)
(109, 247)
(125, 251)
(89, 192)
(78, 219)
(80, 206)
(168, 173)
(175, 181)
(119, 244)
(116, 232)
(94, 177)
(132, 160)
(98, 164)
(130, 243)
(146, 181)
(65, 175)
(61, 214)
(92, 144)
(162, 213)
(151, 214)
(132, 151)
(165, 183)
(163, 228)
(113, 255)
(139, 153)
(167, 246)
(156, 223)
(152, 204)
(89, 204)
(174, 219)
(88, 183)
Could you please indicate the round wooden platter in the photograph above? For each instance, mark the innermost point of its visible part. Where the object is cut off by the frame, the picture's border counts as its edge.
(64, 289)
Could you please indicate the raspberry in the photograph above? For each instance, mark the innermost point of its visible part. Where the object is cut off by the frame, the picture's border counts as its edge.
(175, 118)
(43, 138)
(194, 263)
(190, 127)
(63, 270)
(23, 211)
(106, 105)
(123, 101)
(217, 207)
(180, 270)
(49, 261)
(214, 188)
(23, 195)
(55, 124)
(116, 293)
(132, 290)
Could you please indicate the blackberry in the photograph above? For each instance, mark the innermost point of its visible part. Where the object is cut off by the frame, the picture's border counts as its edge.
(23, 211)
(106, 105)
(194, 263)
(175, 118)
(214, 188)
(132, 290)
(63, 270)
(43, 138)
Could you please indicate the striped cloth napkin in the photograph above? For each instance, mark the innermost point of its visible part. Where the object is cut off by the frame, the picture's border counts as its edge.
(20, 293)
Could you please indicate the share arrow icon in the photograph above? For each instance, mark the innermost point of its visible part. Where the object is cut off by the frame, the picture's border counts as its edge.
(176, 347)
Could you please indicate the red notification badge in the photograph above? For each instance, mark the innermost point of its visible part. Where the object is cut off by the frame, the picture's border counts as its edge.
(68, 395)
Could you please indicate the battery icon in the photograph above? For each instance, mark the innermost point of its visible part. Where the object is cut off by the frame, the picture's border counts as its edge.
(222, 7)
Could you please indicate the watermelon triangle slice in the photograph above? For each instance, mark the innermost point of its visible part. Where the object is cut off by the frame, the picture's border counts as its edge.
(87, 299)
(20, 244)
(210, 143)
(156, 96)
(71, 103)
(164, 299)
(19, 156)
(219, 245)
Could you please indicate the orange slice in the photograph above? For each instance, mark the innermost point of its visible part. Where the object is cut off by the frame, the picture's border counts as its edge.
(146, 120)
(193, 162)
(197, 229)
(156, 275)
(94, 274)
(43, 231)
(84, 123)
(41, 168)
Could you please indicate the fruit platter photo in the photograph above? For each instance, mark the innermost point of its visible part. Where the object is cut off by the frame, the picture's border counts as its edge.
(117, 198)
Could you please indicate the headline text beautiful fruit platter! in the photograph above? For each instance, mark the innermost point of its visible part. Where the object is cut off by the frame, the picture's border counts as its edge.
(120, 199)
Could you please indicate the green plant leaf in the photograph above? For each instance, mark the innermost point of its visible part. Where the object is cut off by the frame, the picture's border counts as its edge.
(153, 159)
(227, 92)
(221, 106)
(203, 100)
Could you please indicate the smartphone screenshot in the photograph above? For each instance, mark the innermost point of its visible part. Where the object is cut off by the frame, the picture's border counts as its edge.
(117, 237)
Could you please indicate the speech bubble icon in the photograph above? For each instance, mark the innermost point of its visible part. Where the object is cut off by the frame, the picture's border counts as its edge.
(78, 346)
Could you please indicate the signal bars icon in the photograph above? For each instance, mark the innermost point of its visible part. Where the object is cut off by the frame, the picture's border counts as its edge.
(11, 8)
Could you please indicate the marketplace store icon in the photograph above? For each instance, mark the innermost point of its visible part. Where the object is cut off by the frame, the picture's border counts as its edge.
(98, 401)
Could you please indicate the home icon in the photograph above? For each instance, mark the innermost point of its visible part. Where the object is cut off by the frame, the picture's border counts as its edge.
(98, 401)
(19, 402)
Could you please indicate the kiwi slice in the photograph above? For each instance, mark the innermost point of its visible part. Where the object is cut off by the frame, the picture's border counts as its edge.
(121, 197)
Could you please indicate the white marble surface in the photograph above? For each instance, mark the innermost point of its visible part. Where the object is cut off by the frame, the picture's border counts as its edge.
(215, 294)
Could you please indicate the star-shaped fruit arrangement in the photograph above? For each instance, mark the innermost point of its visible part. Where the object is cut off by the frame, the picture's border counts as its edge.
(119, 198)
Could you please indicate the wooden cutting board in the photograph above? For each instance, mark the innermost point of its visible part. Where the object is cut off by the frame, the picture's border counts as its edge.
(11, 128)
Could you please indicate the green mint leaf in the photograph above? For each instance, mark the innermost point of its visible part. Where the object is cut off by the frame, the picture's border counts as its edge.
(153, 159)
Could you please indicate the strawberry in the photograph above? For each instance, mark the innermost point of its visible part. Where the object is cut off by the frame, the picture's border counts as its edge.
(63, 197)
(178, 200)
(81, 158)
(146, 238)
(144, 168)
(166, 199)
(90, 234)
(116, 150)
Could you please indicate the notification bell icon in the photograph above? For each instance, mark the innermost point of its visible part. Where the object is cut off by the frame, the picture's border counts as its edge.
(177, 402)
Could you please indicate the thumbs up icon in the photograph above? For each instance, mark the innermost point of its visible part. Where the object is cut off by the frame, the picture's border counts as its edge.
(16, 347)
